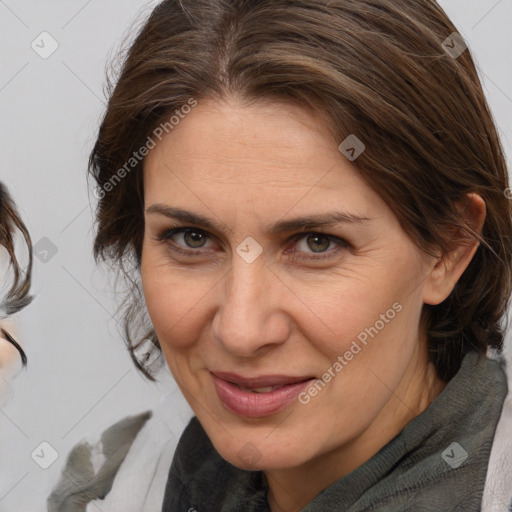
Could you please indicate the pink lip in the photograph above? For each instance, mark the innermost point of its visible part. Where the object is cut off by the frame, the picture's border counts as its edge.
(256, 405)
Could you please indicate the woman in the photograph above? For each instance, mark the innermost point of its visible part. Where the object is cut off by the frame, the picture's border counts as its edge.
(345, 375)
(17, 296)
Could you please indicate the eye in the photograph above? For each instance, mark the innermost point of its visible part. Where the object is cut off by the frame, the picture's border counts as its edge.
(319, 244)
(192, 238)
(188, 241)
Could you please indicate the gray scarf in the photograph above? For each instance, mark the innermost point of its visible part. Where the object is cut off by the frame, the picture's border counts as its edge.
(437, 463)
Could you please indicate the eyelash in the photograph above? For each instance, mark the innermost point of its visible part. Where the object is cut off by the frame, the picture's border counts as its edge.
(171, 231)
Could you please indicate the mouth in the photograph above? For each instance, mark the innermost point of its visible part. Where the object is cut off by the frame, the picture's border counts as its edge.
(258, 396)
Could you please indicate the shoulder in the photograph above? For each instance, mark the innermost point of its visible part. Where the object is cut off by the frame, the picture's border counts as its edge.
(126, 466)
(91, 467)
(498, 486)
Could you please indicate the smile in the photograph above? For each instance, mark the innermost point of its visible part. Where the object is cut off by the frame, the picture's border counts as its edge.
(260, 396)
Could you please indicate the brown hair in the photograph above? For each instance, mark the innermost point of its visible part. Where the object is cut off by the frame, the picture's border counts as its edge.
(17, 296)
(373, 68)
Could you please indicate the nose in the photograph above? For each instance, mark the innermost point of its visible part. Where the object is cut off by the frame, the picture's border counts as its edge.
(251, 318)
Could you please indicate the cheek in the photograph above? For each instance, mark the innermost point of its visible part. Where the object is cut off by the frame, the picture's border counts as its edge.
(371, 322)
(175, 300)
(10, 362)
(346, 308)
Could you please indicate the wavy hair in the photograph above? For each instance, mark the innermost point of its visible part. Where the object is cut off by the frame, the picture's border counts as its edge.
(17, 296)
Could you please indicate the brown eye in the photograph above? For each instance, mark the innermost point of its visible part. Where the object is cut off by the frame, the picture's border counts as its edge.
(318, 243)
(185, 240)
(194, 239)
(315, 246)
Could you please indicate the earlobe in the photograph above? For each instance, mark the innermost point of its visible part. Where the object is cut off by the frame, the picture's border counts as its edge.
(447, 269)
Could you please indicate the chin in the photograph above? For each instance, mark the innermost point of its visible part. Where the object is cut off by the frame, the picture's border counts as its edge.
(256, 453)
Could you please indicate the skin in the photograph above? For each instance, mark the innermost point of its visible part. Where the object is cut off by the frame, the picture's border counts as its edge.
(246, 167)
(10, 361)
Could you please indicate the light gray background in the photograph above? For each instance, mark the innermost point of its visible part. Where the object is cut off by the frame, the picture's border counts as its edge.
(79, 378)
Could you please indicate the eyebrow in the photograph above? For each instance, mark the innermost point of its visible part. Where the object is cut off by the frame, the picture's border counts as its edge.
(328, 219)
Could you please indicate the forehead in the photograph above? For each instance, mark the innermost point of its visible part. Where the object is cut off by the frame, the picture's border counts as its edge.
(232, 142)
(258, 155)
(235, 132)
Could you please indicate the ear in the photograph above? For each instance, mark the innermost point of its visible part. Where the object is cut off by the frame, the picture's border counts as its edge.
(448, 268)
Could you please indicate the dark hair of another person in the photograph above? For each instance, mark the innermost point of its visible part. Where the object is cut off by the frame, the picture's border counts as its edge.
(373, 68)
(17, 296)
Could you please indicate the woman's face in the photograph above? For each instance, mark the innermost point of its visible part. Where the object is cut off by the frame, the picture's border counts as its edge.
(10, 362)
(258, 298)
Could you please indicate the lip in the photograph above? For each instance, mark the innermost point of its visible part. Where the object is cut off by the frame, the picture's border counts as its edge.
(257, 405)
